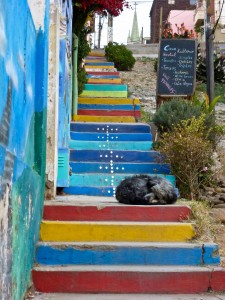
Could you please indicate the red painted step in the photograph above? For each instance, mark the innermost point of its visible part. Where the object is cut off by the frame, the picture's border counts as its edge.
(128, 279)
(67, 211)
(98, 112)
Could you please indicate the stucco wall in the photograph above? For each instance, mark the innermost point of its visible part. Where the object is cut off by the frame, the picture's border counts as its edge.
(23, 85)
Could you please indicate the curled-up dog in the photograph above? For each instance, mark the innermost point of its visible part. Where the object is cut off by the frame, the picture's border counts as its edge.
(144, 189)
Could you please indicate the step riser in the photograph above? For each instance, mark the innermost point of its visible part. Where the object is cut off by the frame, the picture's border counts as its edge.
(99, 64)
(112, 128)
(120, 255)
(109, 107)
(117, 213)
(119, 113)
(106, 87)
(116, 156)
(109, 101)
(119, 168)
(98, 94)
(104, 119)
(126, 282)
(104, 81)
(104, 180)
(113, 232)
(87, 136)
(101, 73)
(103, 76)
(141, 146)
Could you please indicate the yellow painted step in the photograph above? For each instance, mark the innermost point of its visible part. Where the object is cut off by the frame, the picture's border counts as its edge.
(95, 60)
(116, 231)
(104, 119)
(95, 53)
(104, 80)
(110, 101)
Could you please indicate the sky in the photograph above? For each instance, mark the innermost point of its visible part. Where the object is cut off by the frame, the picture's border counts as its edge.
(123, 23)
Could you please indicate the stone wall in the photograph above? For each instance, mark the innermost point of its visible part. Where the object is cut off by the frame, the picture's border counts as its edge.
(23, 84)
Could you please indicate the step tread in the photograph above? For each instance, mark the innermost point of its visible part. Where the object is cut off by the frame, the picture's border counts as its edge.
(127, 268)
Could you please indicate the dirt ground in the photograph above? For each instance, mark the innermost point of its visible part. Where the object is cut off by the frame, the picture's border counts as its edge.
(141, 83)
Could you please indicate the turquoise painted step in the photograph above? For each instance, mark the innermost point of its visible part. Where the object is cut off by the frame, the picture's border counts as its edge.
(105, 180)
(117, 137)
(102, 76)
(85, 145)
(110, 127)
(108, 191)
(179, 254)
(106, 87)
(109, 107)
(117, 156)
(99, 64)
(141, 168)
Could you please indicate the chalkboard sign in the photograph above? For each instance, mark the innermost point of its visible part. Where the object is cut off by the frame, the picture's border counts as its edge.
(176, 67)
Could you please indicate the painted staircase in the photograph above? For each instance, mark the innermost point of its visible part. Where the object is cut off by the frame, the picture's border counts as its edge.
(89, 243)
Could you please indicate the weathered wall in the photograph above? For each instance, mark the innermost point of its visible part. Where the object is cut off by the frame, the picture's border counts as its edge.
(23, 85)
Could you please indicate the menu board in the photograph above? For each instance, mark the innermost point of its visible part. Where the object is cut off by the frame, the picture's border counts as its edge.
(176, 67)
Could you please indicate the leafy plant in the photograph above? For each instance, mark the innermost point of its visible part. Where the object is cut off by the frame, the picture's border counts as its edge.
(121, 56)
(83, 46)
(181, 32)
(82, 79)
(155, 64)
(171, 113)
(189, 154)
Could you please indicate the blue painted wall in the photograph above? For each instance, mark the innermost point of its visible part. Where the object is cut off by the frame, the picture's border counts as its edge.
(65, 94)
(23, 85)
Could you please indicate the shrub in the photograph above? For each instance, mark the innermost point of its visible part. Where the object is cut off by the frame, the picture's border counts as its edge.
(171, 113)
(189, 154)
(155, 64)
(83, 46)
(82, 79)
(121, 56)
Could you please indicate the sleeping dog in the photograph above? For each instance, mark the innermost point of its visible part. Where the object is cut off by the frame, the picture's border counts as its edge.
(144, 189)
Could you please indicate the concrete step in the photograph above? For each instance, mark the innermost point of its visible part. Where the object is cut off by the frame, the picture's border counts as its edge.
(92, 136)
(104, 80)
(71, 231)
(172, 254)
(116, 156)
(104, 119)
(104, 93)
(107, 107)
(97, 63)
(99, 74)
(119, 168)
(84, 208)
(109, 112)
(109, 127)
(129, 279)
(100, 69)
(110, 145)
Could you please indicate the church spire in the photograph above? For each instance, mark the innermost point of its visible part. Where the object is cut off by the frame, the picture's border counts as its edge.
(135, 32)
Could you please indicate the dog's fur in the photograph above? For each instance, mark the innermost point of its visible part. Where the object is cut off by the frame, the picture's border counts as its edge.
(144, 189)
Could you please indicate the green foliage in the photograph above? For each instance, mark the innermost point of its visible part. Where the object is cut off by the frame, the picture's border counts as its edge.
(121, 56)
(83, 46)
(82, 79)
(171, 113)
(219, 67)
(189, 154)
(201, 89)
(155, 64)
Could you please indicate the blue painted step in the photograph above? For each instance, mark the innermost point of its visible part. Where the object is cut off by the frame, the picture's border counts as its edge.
(141, 168)
(110, 127)
(179, 254)
(102, 76)
(116, 156)
(108, 107)
(105, 180)
(99, 64)
(114, 137)
(92, 145)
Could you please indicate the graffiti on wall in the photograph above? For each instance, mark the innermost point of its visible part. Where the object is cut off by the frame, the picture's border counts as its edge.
(21, 183)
